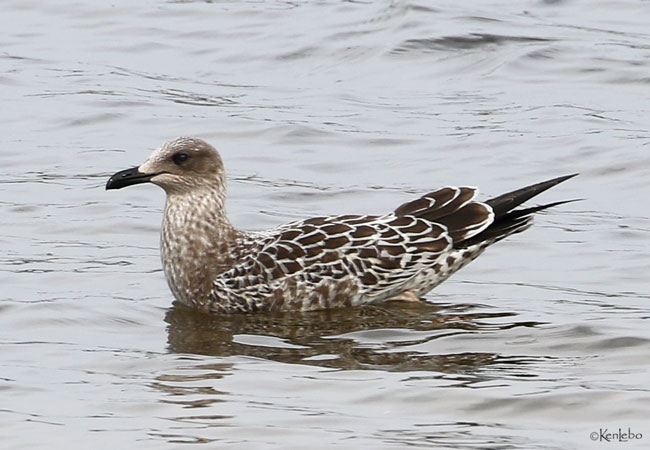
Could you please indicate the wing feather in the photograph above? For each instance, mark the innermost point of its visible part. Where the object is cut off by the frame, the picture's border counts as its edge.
(382, 252)
(454, 208)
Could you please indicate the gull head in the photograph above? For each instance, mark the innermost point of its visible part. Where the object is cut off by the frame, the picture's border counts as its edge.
(181, 166)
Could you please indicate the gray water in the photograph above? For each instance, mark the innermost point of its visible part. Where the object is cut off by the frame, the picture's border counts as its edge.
(323, 108)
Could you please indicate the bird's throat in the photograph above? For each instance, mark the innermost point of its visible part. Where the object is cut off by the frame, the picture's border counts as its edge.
(195, 230)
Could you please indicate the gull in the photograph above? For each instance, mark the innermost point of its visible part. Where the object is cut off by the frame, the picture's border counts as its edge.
(320, 262)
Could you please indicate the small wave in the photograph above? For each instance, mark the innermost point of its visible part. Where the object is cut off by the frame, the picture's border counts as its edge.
(471, 41)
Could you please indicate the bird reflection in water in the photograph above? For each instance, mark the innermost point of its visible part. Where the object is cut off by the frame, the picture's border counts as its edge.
(370, 337)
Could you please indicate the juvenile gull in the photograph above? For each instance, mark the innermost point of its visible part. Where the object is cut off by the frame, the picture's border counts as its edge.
(318, 263)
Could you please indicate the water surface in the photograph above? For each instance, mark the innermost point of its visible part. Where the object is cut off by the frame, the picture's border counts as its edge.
(325, 108)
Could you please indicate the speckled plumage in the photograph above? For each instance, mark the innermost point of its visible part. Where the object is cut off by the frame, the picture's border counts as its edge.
(318, 263)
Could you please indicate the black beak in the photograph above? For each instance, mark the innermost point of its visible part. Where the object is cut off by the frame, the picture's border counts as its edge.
(128, 177)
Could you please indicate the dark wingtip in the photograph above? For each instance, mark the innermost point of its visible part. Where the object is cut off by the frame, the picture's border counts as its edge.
(506, 202)
(507, 219)
(566, 177)
(559, 180)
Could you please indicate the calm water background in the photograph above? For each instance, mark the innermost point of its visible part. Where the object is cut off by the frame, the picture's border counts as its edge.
(325, 107)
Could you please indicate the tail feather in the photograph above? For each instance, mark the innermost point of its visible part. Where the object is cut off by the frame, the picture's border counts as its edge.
(498, 231)
(528, 211)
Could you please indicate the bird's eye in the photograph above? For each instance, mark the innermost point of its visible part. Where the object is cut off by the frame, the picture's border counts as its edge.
(180, 158)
